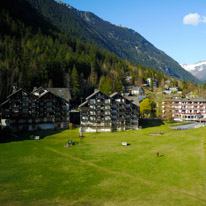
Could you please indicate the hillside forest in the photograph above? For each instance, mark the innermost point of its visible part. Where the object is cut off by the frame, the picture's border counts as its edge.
(38, 55)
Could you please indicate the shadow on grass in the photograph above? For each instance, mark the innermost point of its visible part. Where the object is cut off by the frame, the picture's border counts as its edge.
(161, 155)
(145, 123)
(28, 135)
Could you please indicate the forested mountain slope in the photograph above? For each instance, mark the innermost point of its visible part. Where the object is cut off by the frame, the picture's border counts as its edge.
(125, 43)
(34, 53)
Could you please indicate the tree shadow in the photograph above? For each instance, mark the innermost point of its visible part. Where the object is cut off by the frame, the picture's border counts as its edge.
(145, 123)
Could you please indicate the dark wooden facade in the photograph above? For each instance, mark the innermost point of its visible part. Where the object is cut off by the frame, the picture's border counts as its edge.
(108, 113)
(25, 111)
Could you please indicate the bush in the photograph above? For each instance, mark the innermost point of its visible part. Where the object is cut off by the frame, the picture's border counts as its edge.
(70, 126)
(31, 137)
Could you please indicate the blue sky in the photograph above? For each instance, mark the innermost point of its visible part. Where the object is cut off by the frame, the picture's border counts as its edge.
(177, 27)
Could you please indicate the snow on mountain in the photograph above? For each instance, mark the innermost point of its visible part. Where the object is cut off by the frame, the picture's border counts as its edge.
(198, 69)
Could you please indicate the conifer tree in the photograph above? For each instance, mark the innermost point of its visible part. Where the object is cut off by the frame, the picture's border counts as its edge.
(105, 85)
(118, 86)
(75, 85)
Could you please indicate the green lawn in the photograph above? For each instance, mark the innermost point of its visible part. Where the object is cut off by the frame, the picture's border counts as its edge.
(100, 171)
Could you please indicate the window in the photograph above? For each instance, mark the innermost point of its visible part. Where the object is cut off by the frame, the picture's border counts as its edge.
(107, 107)
(92, 113)
(49, 103)
(92, 118)
(107, 100)
(107, 112)
(25, 110)
(92, 101)
(15, 110)
(85, 117)
(24, 94)
(92, 107)
(25, 104)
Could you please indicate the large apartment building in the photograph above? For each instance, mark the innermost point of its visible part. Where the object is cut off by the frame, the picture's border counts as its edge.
(102, 113)
(40, 109)
(185, 109)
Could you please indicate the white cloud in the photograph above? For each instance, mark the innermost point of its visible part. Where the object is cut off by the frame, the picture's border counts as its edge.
(193, 19)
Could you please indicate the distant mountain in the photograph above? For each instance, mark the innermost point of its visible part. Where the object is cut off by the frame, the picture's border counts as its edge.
(198, 69)
(124, 42)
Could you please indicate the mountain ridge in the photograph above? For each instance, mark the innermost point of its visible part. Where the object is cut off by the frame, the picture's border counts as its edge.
(198, 69)
(125, 43)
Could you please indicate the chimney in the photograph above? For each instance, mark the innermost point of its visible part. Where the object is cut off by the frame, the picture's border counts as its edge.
(14, 88)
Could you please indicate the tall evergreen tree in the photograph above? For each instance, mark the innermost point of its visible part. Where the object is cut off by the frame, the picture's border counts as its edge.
(117, 85)
(105, 85)
(75, 85)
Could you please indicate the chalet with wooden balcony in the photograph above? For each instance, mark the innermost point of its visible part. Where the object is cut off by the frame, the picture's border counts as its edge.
(31, 111)
(102, 113)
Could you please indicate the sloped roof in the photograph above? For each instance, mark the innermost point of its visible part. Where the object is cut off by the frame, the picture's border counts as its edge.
(38, 92)
(189, 100)
(115, 93)
(84, 103)
(136, 88)
(133, 99)
(4, 103)
(18, 92)
(96, 92)
(141, 97)
(61, 92)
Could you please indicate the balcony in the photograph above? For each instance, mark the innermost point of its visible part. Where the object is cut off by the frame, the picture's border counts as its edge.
(84, 113)
(121, 108)
(121, 113)
(100, 103)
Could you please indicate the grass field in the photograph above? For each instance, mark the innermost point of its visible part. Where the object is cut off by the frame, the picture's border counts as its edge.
(100, 171)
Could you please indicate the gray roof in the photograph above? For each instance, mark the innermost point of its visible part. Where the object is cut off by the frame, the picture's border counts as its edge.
(133, 99)
(61, 92)
(136, 88)
(141, 97)
(189, 100)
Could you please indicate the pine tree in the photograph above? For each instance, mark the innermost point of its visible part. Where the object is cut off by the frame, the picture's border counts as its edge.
(75, 85)
(105, 85)
(118, 86)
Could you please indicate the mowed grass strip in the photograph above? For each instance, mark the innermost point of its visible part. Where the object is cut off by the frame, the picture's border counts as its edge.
(100, 171)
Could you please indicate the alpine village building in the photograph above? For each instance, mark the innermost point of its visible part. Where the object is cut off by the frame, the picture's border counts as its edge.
(103, 113)
(185, 109)
(41, 109)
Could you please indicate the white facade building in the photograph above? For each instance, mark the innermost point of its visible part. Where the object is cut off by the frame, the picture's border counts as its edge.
(185, 109)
